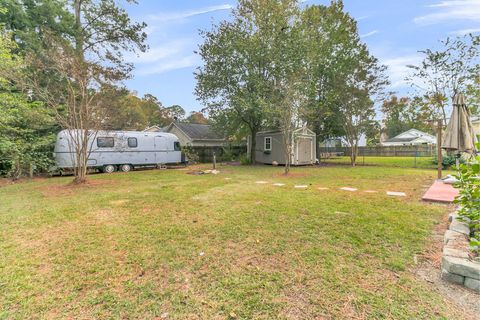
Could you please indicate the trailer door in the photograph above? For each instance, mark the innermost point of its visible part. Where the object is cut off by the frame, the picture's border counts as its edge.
(161, 150)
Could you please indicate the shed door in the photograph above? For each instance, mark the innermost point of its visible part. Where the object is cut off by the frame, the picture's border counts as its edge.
(304, 150)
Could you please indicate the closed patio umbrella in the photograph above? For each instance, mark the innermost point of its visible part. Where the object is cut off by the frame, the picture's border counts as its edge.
(459, 135)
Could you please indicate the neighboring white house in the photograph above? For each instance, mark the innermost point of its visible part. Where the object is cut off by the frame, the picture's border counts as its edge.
(410, 137)
(341, 142)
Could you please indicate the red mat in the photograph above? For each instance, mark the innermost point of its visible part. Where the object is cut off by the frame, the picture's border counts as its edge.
(440, 192)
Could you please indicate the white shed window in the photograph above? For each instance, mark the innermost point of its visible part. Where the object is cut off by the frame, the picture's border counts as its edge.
(267, 144)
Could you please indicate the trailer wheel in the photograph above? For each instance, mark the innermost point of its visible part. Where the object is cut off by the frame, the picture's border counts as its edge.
(109, 168)
(125, 167)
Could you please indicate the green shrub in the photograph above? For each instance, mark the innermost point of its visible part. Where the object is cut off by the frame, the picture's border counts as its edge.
(448, 161)
(245, 160)
(228, 154)
(191, 155)
(469, 199)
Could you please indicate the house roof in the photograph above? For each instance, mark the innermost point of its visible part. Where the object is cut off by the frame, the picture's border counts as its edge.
(155, 129)
(411, 135)
(395, 139)
(304, 130)
(197, 131)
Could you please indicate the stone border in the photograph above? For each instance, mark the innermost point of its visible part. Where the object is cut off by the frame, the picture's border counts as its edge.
(457, 267)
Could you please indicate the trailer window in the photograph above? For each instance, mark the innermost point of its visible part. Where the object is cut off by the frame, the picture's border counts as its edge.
(105, 142)
(132, 142)
(176, 146)
(268, 144)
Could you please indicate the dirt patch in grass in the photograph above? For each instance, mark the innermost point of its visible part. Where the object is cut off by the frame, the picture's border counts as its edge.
(119, 202)
(290, 175)
(428, 269)
(54, 190)
(6, 182)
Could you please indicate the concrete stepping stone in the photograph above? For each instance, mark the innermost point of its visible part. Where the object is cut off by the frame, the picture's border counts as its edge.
(301, 186)
(261, 182)
(370, 191)
(279, 184)
(323, 188)
(396, 194)
(348, 189)
(228, 178)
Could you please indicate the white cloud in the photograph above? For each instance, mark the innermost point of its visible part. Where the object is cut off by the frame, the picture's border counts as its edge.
(368, 34)
(465, 31)
(164, 17)
(398, 70)
(168, 65)
(161, 52)
(451, 10)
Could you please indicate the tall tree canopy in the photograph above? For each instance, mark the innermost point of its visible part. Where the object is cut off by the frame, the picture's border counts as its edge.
(401, 114)
(25, 126)
(273, 47)
(235, 82)
(76, 59)
(453, 68)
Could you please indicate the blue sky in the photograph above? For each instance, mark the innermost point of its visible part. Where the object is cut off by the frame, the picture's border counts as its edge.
(393, 29)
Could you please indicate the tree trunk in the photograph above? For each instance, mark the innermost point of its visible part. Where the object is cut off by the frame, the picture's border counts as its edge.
(78, 26)
(288, 152)
(253, 145)
(353, 154)
(287, 162)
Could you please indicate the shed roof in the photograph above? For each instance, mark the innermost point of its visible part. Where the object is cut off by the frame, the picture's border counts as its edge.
(197, 131)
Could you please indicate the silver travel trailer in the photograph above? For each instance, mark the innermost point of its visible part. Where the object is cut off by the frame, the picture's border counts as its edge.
(120, 150)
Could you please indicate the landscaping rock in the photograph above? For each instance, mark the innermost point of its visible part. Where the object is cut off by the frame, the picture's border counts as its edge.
(396, 194)
(452, 216)
(451, 235)
(459, 226)
(460, 244)
(472, 284)
(447, 251)
(461, 266)
(450, 277)
(301, 186)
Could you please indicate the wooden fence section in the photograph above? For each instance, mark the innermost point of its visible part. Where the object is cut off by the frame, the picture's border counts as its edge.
(384, 151)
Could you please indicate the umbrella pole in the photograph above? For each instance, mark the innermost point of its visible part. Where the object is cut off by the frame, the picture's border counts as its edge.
(439, 149)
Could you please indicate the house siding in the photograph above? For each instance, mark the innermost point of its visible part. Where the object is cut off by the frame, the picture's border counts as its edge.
(277, 152)
(182, 137)
(303, 153)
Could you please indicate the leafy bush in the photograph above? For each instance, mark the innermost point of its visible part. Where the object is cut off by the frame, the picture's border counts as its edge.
(228, 154)
(448, 161)
(245, 160)
(469, 199)
(190, 154)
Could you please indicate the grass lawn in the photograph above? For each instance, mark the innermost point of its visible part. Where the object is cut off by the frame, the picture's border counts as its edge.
(166, 244)
(403, 162)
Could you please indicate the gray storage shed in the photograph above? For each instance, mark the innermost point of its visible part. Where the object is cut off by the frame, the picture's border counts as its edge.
(270, 147)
